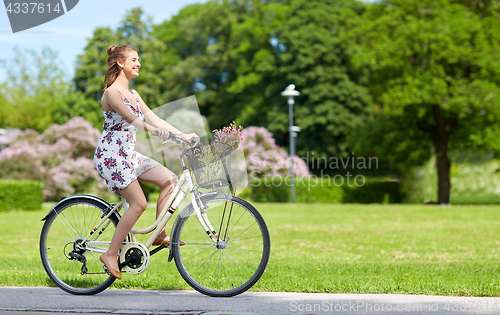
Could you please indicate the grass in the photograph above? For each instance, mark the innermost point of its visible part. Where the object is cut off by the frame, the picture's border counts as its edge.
(407, 249)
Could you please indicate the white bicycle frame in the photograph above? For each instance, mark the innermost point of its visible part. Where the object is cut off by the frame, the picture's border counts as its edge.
(184, 185)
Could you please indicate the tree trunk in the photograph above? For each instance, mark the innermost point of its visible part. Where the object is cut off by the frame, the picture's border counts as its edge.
(443, 163)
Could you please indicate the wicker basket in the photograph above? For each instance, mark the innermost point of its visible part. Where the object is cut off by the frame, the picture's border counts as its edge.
(211, 164)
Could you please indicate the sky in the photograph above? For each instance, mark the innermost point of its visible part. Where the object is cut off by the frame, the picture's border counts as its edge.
(68, 34)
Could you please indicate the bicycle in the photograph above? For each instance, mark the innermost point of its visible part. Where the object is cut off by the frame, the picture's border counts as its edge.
(225, 243)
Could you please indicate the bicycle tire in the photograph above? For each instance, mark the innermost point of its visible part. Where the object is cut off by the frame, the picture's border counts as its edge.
(243, 259)
(70, 220)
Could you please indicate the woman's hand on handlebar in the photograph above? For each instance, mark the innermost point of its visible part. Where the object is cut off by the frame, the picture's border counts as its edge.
(162, 133)
(166, 136)
(189, 137)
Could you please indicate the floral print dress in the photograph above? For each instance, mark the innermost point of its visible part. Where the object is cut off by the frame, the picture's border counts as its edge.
(115, 158)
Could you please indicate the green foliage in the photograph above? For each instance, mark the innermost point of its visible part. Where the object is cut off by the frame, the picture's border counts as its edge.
(310, 190)
(475, 179)
(134, 30)
(403, 140)
(271, 189)
(374, 191)
(20, 195)
(316, 58)
(246, 194)
(90, 69)
(434, 74)
(317, 190)
(4, 114)
(34, 91)
(237, 56)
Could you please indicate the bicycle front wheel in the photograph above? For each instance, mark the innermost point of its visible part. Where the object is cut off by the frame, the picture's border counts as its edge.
(69, 262)
(232, 264)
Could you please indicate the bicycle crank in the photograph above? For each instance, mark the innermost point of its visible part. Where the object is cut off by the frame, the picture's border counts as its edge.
(134, 257)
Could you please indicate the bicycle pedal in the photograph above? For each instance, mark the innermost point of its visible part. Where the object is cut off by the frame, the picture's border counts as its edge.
(106, 270)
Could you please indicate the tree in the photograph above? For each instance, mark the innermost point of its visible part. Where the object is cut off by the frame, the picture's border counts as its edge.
(434, 73)
(4, 113)
(34, 91)
(88, 81)
(314, 52)
(237, 56)
(198, 58)
(92, 64)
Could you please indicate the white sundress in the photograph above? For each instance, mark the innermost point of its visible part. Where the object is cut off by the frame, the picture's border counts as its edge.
(115, 158)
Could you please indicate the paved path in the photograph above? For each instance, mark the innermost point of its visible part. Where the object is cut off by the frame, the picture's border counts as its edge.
(39, 301)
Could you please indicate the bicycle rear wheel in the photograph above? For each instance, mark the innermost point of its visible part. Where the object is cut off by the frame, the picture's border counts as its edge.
(231, 265)
(76, 269)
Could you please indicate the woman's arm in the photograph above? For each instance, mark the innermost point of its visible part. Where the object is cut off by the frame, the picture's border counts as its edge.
(156, 121)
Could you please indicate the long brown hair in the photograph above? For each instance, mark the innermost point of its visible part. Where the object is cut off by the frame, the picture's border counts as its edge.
(115, 53)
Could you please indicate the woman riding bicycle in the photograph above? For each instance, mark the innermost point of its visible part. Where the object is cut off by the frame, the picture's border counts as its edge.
(115, 159)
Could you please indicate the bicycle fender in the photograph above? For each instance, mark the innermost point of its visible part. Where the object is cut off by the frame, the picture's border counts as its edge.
(89, 197)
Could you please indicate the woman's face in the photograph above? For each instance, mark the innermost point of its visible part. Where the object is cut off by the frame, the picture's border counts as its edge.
(131, 65)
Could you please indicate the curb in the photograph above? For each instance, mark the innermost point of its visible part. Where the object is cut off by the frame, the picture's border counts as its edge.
(104, 311)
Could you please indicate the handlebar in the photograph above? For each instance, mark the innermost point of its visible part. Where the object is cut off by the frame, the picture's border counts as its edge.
(186, 144)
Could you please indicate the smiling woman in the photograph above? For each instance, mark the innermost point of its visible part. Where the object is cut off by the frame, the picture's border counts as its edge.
(115, 156)
(118, 57)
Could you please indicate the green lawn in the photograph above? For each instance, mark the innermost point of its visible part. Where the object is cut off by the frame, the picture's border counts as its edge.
(411, 249)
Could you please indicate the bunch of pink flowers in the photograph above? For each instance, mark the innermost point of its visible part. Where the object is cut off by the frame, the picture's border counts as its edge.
(230, 135)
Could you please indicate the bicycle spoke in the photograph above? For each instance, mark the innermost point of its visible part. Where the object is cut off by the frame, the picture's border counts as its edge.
(236, 261)
(232, 266)
(64, 227)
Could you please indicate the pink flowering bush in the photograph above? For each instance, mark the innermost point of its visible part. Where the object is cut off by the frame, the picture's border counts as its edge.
(265, 158)
(61, 157)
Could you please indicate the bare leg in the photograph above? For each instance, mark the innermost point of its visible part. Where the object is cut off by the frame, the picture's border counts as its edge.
(134, 195)
(137, 204)
(166, 180)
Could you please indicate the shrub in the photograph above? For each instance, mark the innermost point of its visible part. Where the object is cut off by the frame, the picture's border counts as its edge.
(317, 190)
(265, 158)
(20, 195)
(61, 158)
(268, 190)
(307, 190)
(374, 191)
(278, 189)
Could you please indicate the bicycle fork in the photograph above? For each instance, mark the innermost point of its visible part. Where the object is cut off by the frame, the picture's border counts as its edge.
(202, 217)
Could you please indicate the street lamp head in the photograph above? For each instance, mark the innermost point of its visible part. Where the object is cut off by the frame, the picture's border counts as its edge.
(290, 91)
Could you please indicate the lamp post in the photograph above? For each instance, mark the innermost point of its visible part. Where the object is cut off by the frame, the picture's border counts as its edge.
(290, 93)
